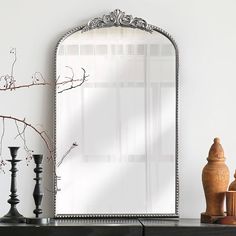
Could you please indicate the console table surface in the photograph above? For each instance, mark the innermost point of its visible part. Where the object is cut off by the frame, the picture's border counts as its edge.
(118, 227)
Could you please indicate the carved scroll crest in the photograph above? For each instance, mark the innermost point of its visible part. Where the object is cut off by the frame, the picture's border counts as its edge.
(117, 18)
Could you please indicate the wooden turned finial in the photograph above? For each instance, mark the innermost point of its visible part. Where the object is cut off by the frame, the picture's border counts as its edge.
(232, 186)
(216, 140)
(216, 151)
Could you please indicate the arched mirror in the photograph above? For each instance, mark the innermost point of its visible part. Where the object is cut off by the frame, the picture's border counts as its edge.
(116, 120)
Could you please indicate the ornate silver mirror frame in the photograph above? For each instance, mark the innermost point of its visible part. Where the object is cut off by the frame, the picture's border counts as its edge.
(118, 18)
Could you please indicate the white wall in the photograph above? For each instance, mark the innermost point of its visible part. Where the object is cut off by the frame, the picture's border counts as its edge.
(206, 36)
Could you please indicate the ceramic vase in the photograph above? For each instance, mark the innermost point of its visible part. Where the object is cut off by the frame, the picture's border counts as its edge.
(215, 180)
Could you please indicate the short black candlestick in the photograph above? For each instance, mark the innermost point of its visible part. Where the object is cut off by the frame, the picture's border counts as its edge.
(13, 216)
(38, 193)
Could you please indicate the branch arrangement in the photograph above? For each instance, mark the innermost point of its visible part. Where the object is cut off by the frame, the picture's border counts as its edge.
(8, 81)
(21, 132)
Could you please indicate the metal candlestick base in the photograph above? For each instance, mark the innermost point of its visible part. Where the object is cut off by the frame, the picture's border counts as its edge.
(38, 194)
(38, 221)
(13, 216)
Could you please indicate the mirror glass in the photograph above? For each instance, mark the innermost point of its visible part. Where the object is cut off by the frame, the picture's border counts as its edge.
(116, 123)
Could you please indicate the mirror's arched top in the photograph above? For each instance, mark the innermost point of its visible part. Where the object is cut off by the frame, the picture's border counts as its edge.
(119, 18)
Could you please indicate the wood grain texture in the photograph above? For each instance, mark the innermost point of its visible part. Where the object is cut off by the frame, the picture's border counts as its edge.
(231, 203)
(232, 186)
(210, 219)
(215, 180)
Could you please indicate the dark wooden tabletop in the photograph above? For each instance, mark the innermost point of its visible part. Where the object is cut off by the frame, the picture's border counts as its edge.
(184, 227)
(118, 227)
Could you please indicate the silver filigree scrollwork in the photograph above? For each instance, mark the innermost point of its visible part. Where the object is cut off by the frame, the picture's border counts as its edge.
(117, 18)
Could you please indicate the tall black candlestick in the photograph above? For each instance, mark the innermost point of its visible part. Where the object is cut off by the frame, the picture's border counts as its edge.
(13, 216)
(38, 193)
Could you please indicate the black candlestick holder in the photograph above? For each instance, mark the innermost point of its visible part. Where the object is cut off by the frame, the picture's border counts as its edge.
(38, 193)
(13, 216)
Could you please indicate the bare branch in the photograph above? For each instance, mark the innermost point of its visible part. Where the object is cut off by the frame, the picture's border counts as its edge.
(2, 165)
(67, 153)
(37, 82)
(2, 136)
(13, 51)
(38, 78)
(43, 135)
(73, 74)
(12, 81)
(72, 81)
(2, 162)
(8, 81)
(26, 86)
(21, 134)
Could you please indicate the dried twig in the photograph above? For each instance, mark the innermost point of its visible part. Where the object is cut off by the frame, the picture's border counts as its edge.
(21, 134)
(2, 165)
(66, 154)
(72, 81)
(2, 136)
(43, 135)
(2, 161)
(8, 82)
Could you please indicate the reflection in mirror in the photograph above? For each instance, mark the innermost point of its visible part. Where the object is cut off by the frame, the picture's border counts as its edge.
(116, 123)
